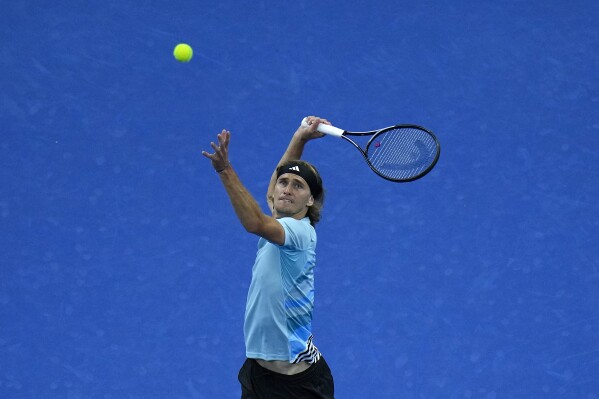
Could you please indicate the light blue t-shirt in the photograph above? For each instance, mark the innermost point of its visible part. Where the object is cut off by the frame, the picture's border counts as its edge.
(278, 315)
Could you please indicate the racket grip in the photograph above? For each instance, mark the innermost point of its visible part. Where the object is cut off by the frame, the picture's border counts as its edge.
(326, 129)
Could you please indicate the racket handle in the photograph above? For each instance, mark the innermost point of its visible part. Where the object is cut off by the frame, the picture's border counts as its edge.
(326, 129)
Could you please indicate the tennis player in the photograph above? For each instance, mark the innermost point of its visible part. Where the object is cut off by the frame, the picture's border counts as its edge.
(282, 360)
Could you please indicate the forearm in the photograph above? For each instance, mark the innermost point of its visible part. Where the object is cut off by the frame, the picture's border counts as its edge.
(246, 208)
(294, 151)
(302, 135)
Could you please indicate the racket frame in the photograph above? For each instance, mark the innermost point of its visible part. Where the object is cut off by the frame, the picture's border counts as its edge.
(377, 133)
(335, 131)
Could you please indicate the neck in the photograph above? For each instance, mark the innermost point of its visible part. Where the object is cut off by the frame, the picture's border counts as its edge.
(298, 216)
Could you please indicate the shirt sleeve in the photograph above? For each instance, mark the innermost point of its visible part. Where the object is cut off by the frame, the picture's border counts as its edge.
(297, 233)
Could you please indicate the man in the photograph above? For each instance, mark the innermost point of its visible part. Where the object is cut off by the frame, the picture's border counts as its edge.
(282, 360)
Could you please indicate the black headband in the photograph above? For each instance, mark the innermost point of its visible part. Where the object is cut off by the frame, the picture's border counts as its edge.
(305, 172)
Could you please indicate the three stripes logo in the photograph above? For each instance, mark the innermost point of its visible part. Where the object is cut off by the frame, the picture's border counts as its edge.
(296, 168)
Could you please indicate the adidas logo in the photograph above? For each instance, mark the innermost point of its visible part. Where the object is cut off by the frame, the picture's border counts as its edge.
(296, 168)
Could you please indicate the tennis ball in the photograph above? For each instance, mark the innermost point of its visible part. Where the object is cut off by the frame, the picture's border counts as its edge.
(183, 52)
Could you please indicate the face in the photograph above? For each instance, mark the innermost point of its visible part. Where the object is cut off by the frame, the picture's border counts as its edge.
(292, 196)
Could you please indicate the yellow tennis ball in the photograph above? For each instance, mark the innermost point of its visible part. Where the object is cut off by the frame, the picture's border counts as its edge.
(183, 52)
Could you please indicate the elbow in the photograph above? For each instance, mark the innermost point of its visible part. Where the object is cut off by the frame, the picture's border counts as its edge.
(253, 226)
(250, 228)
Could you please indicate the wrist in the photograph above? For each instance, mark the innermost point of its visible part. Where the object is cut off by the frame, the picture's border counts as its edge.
(299, 137)
(223, 168)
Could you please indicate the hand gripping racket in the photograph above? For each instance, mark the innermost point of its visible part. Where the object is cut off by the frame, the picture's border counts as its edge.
(399, 153)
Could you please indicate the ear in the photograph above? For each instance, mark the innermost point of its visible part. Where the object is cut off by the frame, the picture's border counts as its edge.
(310, 201)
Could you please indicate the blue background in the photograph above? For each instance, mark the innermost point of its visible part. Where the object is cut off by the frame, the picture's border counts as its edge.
(124, 271)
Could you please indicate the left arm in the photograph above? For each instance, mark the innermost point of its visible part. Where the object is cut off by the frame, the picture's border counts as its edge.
(247, 209)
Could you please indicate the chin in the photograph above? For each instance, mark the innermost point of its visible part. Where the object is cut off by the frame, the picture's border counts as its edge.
(285, 211)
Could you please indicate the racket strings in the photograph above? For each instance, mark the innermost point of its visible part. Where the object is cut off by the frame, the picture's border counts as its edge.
(402, 153)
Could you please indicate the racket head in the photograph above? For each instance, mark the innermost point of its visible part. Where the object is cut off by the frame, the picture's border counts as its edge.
(402, 153)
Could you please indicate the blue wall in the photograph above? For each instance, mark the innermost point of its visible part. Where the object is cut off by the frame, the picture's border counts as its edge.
(124, 270)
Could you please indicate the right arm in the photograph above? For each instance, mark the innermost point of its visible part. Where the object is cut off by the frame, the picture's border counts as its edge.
(295, 149)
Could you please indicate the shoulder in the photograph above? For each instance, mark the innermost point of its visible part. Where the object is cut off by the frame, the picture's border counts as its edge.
(296, 224)
(298, 233)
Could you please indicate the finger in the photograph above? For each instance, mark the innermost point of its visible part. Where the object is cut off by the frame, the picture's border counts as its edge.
(308, 120)
(208, 155)
(223, 141)
(314, 124)
(220, 152)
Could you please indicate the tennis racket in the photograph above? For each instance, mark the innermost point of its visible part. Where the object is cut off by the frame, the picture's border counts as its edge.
(399, 153)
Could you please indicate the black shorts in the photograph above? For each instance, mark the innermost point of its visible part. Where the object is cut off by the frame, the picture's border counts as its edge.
(259, 383)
